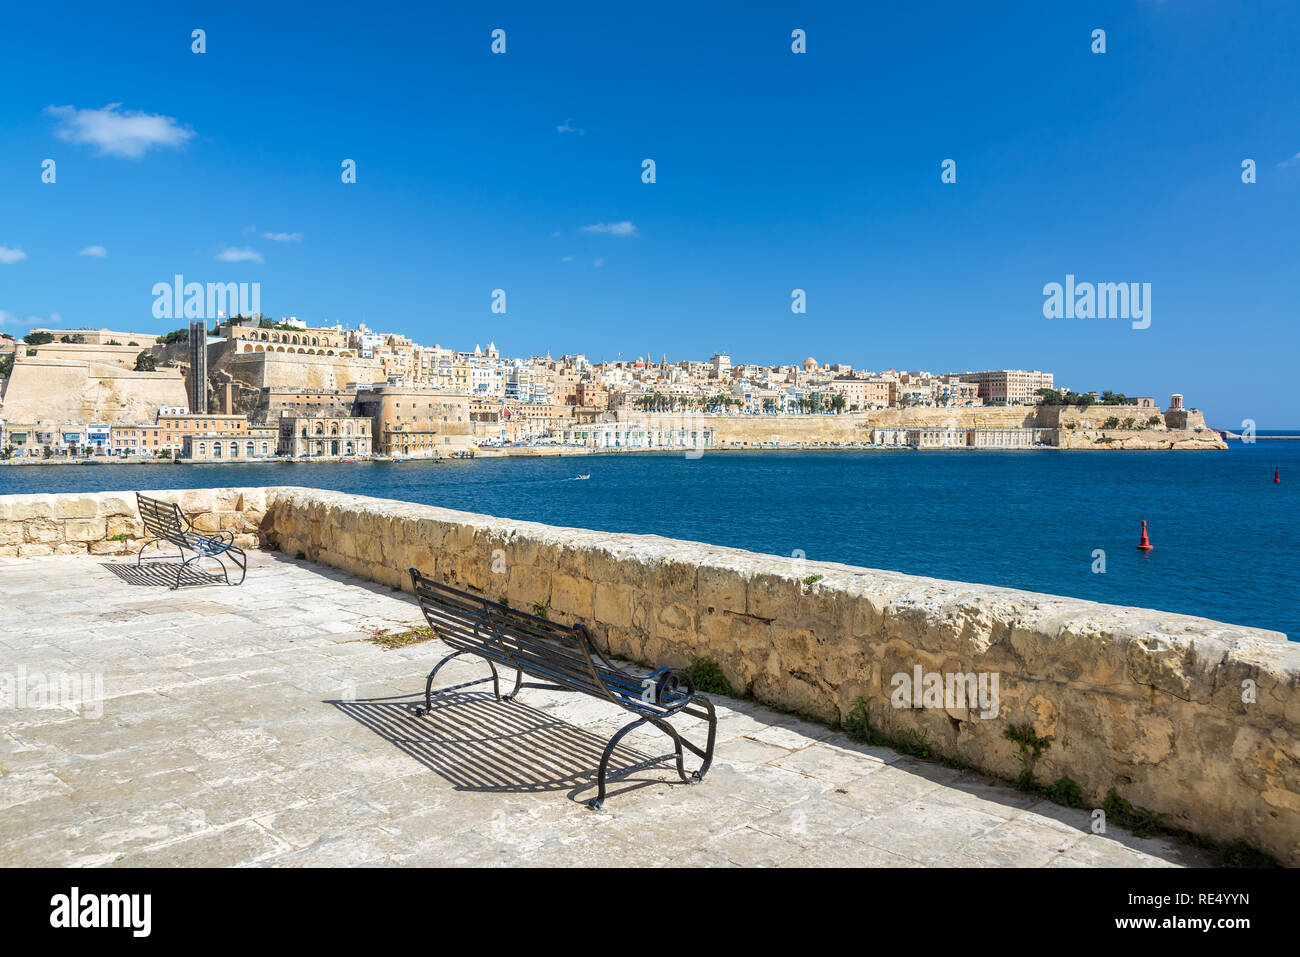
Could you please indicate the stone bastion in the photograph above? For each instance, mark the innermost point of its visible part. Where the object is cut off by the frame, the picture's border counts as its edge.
(1192, 718)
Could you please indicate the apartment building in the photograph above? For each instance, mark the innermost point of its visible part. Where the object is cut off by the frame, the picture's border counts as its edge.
(1009, 386)
(174, 429)
(860, 393)
(136, 439)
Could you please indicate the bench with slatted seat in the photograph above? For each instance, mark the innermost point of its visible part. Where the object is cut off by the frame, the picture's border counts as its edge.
(562, 658)
(165, 522)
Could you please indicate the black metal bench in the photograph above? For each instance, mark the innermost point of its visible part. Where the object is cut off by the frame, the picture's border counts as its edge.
(564, 658)
(165, 522)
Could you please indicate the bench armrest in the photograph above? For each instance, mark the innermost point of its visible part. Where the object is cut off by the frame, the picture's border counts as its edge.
(673, 688)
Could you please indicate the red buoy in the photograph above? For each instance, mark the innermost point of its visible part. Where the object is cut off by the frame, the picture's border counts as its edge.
(1145, 545)
(1276, 477)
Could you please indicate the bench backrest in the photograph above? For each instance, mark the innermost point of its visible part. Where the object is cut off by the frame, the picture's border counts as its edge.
(556, 653)
(162, 520)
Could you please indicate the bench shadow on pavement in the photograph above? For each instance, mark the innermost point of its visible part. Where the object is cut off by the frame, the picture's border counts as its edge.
(162, 573)
(477, 743)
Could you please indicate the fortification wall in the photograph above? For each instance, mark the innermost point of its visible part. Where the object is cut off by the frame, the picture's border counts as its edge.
(260, 370)
(847, 428)
(67, 390)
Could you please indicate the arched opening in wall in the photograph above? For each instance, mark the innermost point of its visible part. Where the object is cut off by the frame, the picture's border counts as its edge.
(250, 451)
(216, 449)
(320, 429)
(234, 450)
(264, 337)
(314, 341)
(301, 351)
(329, 352)
(294, 340)
(264, 448)
(203, 449)
(248, 348)
(278, 349)
(334, 429)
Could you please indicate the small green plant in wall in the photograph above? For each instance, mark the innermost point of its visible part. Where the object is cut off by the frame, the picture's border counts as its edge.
(1031, 748)
(708, 677)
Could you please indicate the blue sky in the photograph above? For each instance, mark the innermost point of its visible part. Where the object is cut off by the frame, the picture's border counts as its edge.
(775, 171)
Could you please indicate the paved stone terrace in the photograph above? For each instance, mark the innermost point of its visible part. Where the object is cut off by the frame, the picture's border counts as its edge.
(256, 726)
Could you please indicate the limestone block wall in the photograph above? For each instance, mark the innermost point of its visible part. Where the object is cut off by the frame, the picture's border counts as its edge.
(1146, 702)
(108, 523)
(1194, 718)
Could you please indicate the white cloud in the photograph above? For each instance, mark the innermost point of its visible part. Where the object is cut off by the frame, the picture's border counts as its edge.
(9, 256)
(624, 228)
(117, 132)
(566, 259)
(8, 318)
(568, 127)
(243, 254)
(1289, 161)
(99, 252)
(283, 237)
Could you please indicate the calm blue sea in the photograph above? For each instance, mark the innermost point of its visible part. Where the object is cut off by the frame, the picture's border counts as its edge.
(1227, 539)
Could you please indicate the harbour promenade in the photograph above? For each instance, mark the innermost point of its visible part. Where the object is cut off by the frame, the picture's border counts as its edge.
(259, 724)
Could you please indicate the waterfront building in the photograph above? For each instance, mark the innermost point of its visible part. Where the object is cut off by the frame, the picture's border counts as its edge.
(134, 439)
(630, 435)
(173, 429)
(253, 443)
(986, 438)
(415, 420)
(323, 436)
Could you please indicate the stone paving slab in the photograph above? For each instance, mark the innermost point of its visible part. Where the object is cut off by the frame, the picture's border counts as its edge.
(256, 726)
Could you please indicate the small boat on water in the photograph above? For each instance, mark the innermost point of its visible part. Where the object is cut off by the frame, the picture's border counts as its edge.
(579, 478)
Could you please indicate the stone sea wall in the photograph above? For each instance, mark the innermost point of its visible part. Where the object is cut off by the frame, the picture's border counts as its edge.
(1193, 718)
(108, 523)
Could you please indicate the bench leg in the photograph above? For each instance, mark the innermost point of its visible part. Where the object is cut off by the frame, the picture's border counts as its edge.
(181, 570)
(496, 683)
(237, 556)
(428, 685)
(598, 802)
(680, 746)
(139, 556)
